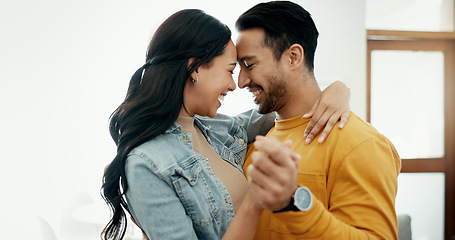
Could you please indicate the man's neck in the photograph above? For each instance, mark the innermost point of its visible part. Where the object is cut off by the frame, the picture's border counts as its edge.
(303, 94)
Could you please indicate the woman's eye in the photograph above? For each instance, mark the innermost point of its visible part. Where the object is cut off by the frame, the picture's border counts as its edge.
(232, 72)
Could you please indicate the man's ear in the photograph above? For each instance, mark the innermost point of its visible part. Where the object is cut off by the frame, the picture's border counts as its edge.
(296, 56)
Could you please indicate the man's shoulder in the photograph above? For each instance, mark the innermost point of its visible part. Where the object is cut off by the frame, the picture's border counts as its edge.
(358, 134)
(357, 128)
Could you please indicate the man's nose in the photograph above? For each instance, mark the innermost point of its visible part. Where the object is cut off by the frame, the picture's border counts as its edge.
(244, 79)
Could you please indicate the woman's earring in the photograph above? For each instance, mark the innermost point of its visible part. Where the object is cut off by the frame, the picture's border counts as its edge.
(195, 80)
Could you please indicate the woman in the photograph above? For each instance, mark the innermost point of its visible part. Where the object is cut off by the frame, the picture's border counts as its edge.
(180, 175)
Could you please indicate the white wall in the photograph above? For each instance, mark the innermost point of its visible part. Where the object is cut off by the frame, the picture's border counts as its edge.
(411, 15)
(65, 66)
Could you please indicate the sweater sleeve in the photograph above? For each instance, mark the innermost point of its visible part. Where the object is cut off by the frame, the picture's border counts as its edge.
(361, 188)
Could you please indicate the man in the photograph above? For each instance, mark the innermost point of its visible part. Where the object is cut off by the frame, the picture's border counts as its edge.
(344, 188)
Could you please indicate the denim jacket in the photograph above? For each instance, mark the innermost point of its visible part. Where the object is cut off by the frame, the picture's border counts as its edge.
(172, 190)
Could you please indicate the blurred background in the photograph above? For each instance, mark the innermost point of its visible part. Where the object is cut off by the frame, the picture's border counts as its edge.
(65, 67)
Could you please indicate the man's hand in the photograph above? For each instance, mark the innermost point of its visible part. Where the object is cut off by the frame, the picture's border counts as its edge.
(272, 175)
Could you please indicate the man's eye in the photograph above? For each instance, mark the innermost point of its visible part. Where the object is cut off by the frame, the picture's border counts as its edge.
(247, 65)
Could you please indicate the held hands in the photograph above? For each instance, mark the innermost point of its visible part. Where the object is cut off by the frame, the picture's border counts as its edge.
(273, 173)
(332, 105)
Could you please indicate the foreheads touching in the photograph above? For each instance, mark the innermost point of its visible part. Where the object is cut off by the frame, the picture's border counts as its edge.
(284, 23)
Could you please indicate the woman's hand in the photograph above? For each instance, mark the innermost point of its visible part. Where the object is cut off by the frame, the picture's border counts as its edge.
(272, 175)
(332, 105)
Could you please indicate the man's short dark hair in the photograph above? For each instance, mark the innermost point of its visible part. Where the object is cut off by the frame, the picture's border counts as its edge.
(285, 23)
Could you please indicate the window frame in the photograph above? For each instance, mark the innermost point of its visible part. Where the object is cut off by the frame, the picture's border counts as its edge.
(426, 41)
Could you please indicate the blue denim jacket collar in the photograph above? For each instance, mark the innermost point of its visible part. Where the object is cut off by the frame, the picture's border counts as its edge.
(176, 128)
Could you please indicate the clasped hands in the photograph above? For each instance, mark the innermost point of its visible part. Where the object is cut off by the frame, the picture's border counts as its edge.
(272, 175)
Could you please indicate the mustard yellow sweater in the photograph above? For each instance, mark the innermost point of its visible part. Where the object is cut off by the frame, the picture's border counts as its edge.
(353, 180)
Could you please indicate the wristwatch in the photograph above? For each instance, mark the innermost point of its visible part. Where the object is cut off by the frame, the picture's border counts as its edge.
(301, 200)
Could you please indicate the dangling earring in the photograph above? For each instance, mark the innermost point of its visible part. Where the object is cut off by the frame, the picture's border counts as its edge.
(195, 80)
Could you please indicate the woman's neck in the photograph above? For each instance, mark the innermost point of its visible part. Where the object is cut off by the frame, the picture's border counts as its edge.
(185, 113)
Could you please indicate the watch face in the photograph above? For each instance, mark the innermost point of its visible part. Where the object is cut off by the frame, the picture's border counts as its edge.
(303, 199)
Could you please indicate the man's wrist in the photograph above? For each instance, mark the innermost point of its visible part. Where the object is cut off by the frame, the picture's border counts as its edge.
(290, 206)
(301, 200)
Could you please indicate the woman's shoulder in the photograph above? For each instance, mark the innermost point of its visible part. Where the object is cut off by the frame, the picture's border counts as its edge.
(161, 151)
(222, 124)
(220, 121)
(160, 142)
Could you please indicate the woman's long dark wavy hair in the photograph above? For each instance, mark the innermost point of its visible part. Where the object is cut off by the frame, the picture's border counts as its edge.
(155, 96)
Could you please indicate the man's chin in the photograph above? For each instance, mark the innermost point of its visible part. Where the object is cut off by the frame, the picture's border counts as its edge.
(264, 110)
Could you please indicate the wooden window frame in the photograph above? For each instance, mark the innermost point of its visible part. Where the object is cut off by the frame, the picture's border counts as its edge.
(426, 41)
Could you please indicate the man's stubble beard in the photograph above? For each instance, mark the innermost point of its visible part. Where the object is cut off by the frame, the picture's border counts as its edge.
(275, 97)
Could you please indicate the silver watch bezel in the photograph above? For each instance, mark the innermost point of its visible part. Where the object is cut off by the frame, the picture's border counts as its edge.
(299, 203)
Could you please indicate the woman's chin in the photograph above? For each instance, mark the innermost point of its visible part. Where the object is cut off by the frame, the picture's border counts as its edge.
(212, 115)
(211, 112)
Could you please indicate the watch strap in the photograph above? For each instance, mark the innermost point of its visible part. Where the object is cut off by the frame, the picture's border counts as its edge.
(290, 207)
